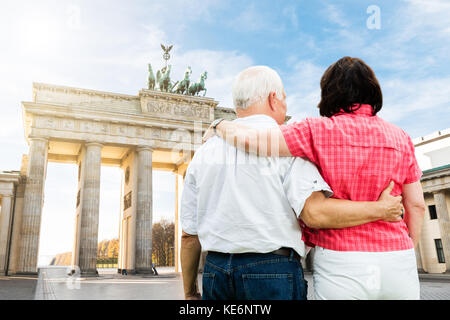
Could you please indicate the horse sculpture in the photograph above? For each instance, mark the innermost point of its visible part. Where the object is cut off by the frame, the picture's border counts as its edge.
(163, 79)
(151, 78)
(183, 86)
(195, 88)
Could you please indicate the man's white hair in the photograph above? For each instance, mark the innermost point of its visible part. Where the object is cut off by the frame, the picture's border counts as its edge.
(255, 84)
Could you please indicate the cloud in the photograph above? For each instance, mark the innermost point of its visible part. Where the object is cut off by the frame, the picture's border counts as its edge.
(249, 20)
(409, 54)
(112, 58)
(336, 16)
(404, 96)
(421, 10)
(427, 22)
(291, 13)
(416, 42)
(303, 90)
(257, 17)
(222, 67)
(404, 99)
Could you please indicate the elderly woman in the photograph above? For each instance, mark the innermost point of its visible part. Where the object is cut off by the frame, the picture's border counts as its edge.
(357, 154)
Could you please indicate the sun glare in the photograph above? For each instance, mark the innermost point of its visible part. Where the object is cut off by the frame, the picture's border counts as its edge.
(38, 34)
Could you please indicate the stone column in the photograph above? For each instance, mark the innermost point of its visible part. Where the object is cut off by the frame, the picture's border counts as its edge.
(5, 218)
(179, 182)
(33, 202)
(444, 224)
(418, 258)
(90, 209)
(16, 227)
(177, 244)
(144, 212)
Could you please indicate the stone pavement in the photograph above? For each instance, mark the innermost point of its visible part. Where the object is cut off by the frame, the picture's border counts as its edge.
(54, 283)
(17, 288)
(110, 285)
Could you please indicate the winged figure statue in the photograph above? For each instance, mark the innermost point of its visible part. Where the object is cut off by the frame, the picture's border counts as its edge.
(166, 49)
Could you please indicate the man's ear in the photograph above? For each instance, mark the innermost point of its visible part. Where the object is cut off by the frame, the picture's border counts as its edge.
(272, 101)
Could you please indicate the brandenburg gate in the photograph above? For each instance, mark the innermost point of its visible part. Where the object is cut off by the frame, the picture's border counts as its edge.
(153, 130)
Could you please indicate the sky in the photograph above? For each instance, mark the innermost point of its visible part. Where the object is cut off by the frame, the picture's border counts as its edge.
(106, 45)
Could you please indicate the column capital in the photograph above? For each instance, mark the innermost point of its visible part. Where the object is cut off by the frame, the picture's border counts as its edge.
(144, 148)
(6, 196)
(93, 143)
(45, 139)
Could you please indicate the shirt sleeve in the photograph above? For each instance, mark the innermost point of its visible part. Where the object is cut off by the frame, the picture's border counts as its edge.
(413, 172)
(298, 137)
(301, 180)
(189, 204)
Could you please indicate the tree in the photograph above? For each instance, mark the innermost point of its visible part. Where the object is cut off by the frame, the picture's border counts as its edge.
(113, 248)
(102, 248)
(163, 235)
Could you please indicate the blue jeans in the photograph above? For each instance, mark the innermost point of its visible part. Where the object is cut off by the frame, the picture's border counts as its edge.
(253, 276)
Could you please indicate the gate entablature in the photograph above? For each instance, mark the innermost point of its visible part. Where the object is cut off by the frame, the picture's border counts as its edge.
(153, 118)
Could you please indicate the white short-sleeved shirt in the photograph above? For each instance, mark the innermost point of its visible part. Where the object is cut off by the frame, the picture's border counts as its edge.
(238, 202)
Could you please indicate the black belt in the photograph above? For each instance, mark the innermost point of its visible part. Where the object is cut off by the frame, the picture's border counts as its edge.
(287, 253)
(281, 252)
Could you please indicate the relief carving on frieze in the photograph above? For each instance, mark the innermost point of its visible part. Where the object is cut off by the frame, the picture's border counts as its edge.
(140, 132)
(86, 126)
(161, 107)
(51, 123)
(119, 130)
(156, 133)
(102, 128)
(177, 108)
(68, 124)
(46, 122)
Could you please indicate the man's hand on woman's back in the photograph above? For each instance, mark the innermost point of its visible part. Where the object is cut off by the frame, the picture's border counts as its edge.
(391, 207)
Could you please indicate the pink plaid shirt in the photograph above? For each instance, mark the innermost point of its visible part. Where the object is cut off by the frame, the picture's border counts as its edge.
(358, 155)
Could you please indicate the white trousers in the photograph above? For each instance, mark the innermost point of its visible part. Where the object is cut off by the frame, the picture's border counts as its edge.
(348, 275)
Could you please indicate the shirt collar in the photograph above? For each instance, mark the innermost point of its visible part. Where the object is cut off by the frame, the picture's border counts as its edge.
(360, 110)
(257, 118)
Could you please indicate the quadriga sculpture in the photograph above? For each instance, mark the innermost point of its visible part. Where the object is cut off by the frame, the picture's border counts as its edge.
(183, 86)
(151, 78)
(196, 87)
(163, 79)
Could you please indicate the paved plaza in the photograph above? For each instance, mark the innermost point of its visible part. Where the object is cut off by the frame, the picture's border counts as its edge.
(53, 283)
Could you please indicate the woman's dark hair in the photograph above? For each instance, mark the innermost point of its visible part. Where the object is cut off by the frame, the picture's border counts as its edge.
(347, 83)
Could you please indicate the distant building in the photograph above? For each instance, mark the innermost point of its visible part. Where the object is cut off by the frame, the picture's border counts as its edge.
(433, 155)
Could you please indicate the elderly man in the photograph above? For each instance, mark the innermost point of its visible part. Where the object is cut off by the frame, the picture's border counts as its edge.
(243, 209)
